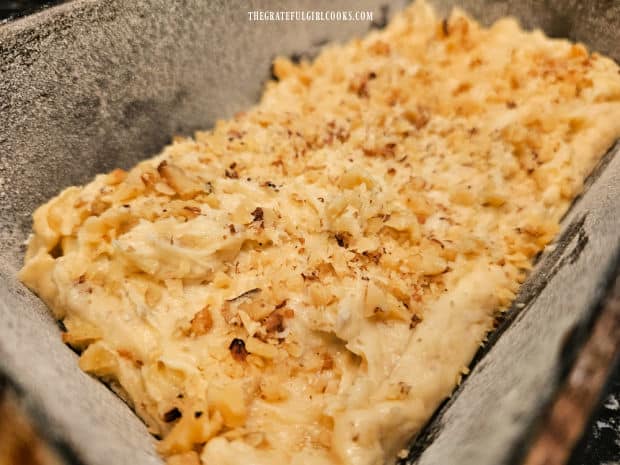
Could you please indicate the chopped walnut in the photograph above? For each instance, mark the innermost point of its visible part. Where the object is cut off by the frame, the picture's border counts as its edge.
(201, 323)
(274, 322)
(185, 186)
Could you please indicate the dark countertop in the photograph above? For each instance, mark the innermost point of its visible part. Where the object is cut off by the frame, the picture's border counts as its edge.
(601, 444)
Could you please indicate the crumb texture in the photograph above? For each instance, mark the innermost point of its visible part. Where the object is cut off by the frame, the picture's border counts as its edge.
(308, 281)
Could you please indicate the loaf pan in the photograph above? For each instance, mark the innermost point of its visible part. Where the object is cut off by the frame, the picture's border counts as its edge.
(91, 85)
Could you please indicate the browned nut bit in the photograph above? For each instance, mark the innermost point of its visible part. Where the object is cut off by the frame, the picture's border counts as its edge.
(238, 350)
(258, 214)
(172, 414)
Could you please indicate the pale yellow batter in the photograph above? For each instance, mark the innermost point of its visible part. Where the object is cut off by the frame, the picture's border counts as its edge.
(305, 283)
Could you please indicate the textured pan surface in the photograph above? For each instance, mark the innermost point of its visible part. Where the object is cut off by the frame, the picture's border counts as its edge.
(87, 86)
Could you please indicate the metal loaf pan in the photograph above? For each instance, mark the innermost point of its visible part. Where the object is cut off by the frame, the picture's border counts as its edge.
(91, 85)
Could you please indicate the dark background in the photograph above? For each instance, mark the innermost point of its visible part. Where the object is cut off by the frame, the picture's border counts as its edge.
(601, 443)
(10, 9)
